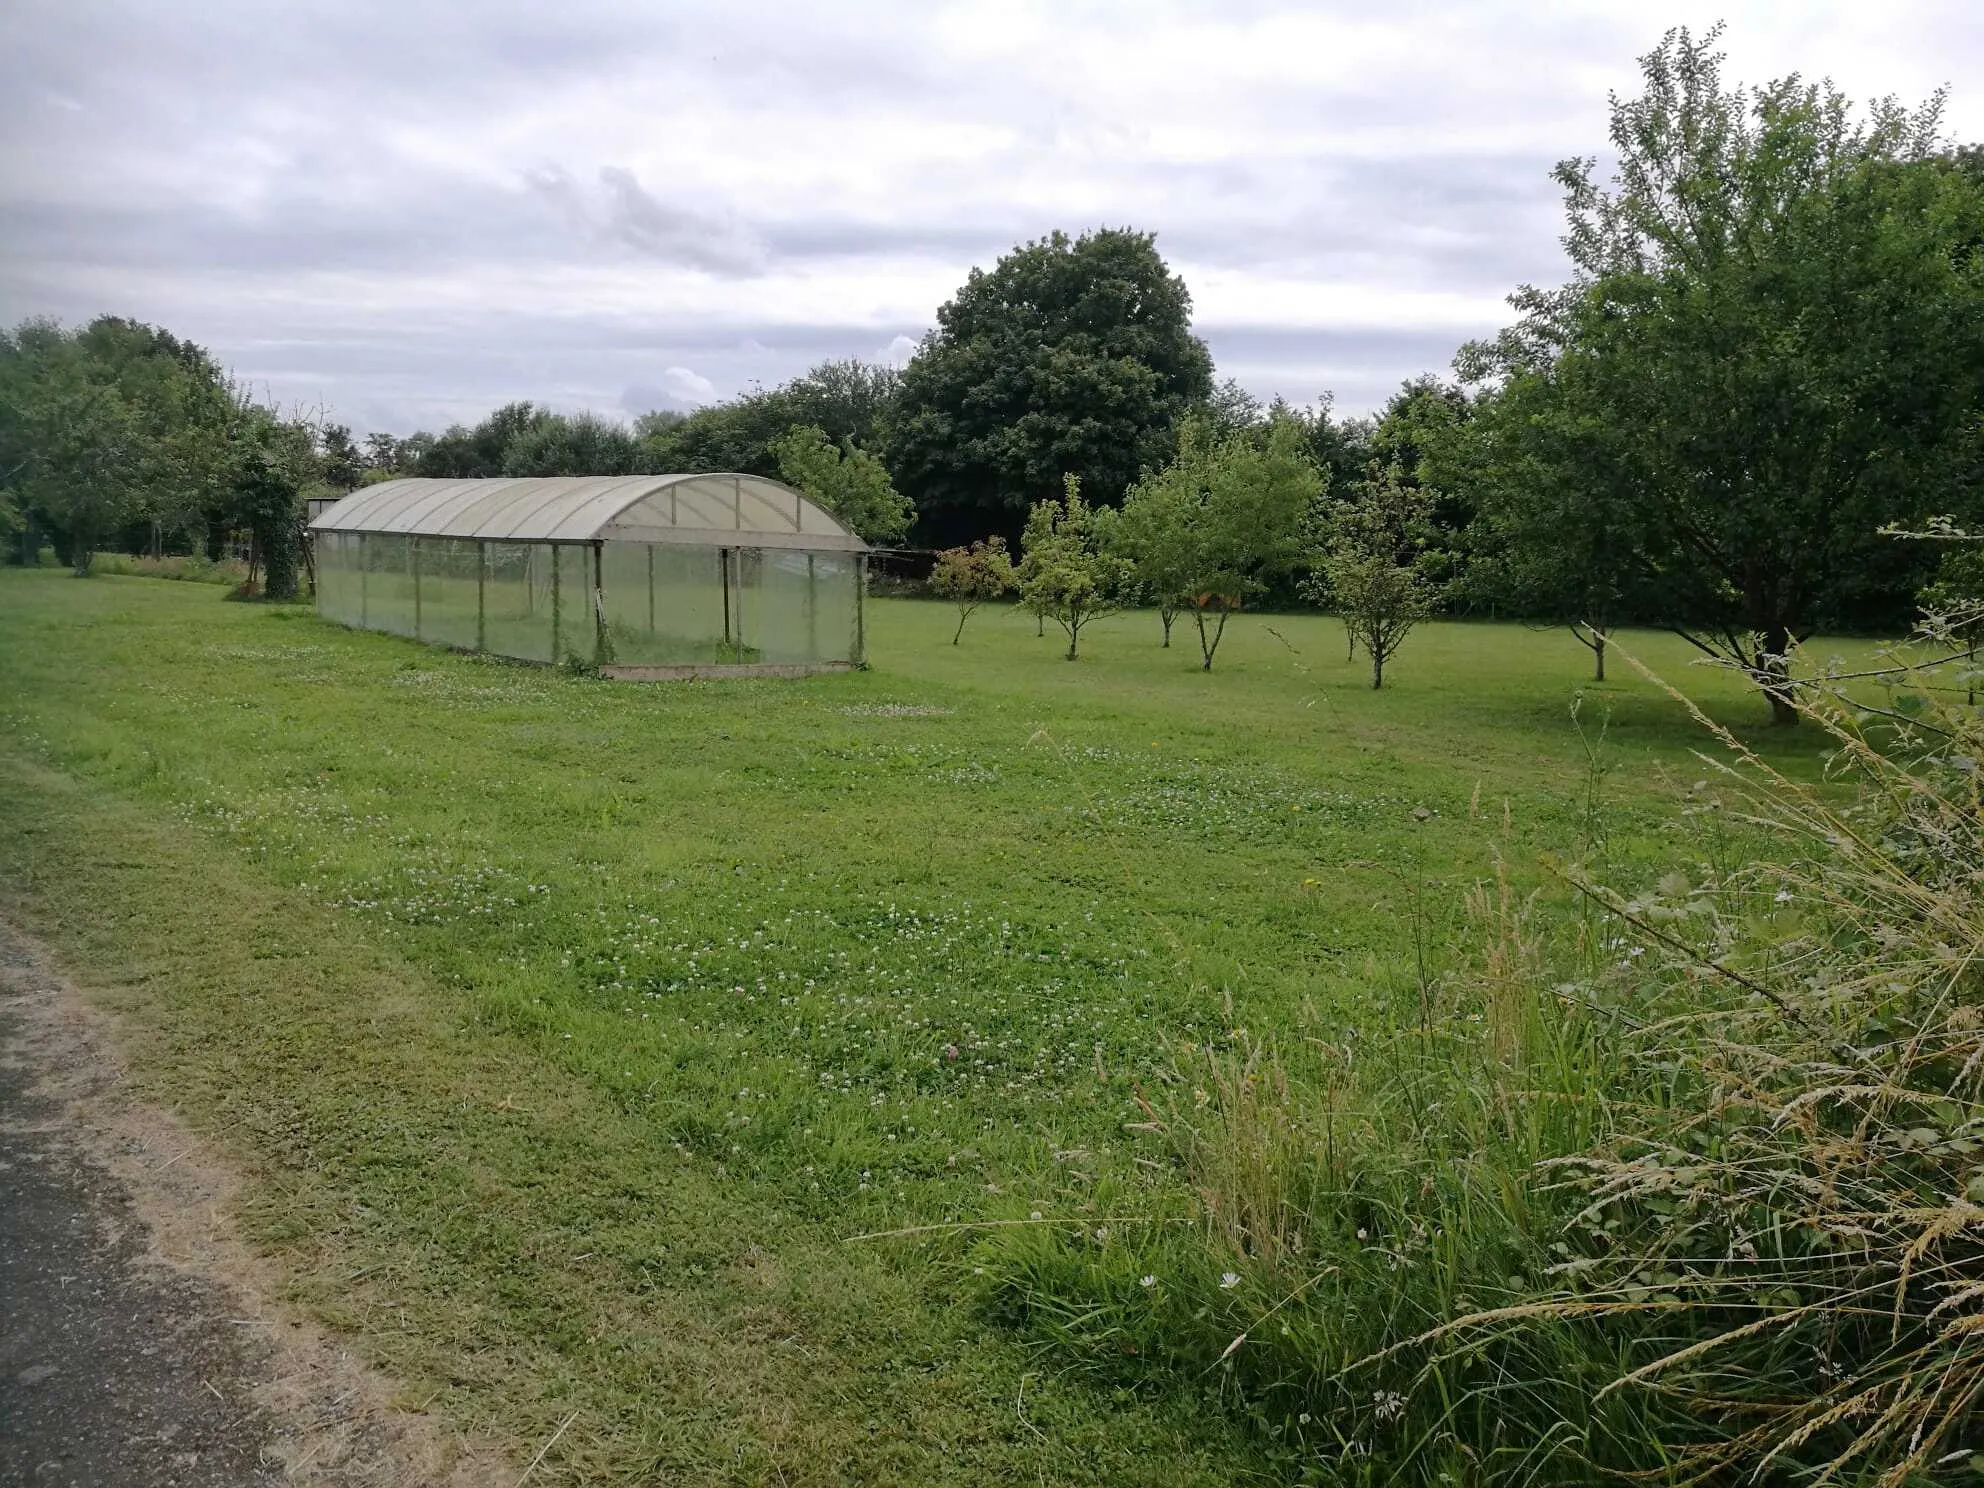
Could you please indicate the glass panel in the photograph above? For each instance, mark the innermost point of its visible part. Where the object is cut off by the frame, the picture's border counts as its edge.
(577, 629)
(336, 556)
(388, 580)
(517, 601)
(664, 604)
(836, 597)
(448, 568)
(779, 612)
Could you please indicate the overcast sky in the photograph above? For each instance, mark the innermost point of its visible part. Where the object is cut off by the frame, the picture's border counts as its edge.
(405, 213)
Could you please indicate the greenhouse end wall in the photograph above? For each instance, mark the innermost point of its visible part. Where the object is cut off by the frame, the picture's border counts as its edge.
(654, 607)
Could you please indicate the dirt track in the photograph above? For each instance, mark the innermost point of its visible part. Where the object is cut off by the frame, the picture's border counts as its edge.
(140, 1344)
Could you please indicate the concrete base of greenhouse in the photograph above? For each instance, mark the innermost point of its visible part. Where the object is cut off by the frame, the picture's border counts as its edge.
(719, 671)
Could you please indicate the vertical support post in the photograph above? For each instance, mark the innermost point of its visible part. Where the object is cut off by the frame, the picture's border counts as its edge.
(812, 611)
(723, 568)
(861, 610)
(413, 567)
(650, 588)
(598, 602)
(556, 640)
(737, 502)
(364, 565)
(481, 595)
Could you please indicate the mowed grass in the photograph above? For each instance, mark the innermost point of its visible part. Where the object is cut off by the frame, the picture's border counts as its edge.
(588, 1043)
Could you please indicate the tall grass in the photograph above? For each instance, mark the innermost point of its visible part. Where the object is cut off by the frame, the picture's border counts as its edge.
(1685, 1186)
(192, 567)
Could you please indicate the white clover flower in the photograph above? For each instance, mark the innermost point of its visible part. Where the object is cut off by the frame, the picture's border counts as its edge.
(1228, 1280)
(1146, 1282)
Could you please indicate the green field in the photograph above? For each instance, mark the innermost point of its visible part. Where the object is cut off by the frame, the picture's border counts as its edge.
(573, 1032)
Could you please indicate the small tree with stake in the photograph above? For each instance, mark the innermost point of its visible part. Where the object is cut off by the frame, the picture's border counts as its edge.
(1064, 573)
(968, 577)
(1371, 565)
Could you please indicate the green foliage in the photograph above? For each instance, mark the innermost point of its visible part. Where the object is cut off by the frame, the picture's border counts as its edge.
(268, 500)
(341, 464)
(1423, 420)
(1218, 524)
(846, 480)
(1371, 564)
(1064, 574)
(112, 424)
(1069, 355)
(969, 577)
(849, 400)
(570, 444)
(465, 453)
(1768, 351)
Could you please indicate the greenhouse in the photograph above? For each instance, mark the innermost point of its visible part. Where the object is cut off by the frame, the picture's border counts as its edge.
(643, 576)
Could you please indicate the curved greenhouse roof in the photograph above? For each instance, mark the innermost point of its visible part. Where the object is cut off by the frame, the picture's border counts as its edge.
(723, 510)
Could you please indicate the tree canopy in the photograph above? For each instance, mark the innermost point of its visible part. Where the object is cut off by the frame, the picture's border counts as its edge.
(1067, 357)
(846, 480)
(1211, 529)
(1769, 349)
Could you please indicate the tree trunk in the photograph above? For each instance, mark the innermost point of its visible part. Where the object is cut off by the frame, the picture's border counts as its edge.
(82, 550)
(1167, 616)
(963, 615)
(1209, 647)
(1774, 673)
(1350, 641)
(1598, 656)
(1377, 670)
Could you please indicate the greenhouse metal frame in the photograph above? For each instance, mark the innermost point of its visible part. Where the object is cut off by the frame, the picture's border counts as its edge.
(644, 576)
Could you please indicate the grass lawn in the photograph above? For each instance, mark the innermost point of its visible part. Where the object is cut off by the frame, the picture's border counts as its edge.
(570, 1031)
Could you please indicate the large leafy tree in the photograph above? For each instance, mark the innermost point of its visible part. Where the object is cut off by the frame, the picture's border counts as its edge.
(1214, 527)
(1069, 356)
(79, 457)
(1770, 347)
(846, 480)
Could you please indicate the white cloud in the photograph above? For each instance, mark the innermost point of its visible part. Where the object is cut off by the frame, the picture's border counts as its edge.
(689, 387)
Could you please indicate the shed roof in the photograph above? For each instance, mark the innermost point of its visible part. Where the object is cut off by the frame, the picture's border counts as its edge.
(718, 510)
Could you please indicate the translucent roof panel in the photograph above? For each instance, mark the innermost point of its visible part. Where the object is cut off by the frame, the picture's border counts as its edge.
(717, 510)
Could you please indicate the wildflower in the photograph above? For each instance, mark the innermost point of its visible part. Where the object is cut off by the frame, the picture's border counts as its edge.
(1387, 1405)
(1782, 896)
(1146, 1282)
(1228, 1280)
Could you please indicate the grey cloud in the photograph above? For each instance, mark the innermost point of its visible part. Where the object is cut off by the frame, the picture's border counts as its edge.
(675, 234)
(347, 199)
